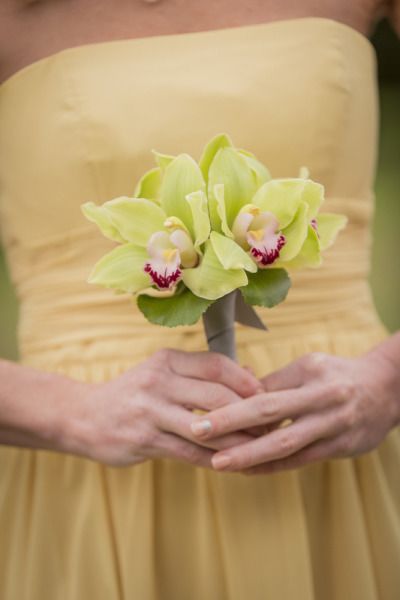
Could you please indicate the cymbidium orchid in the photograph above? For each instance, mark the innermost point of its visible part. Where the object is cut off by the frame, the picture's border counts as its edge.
(194, 233)
(168, 242)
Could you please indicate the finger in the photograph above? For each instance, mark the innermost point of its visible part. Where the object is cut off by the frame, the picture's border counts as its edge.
(288, 377)
(172, 446)
(278, 444)
(261, 409)
(177, 421)
(317, 451)
(203, 395)
(212, 366)
(296, 373)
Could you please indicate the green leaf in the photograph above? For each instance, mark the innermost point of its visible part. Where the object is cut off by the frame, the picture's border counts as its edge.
(136, 219)
(210, 280)
(148, 185)
(329, 225)
(231, 169)
(267, 287)
(219, 141)
(122, 269)
(182, 176)
(183, 308)
(230, 254)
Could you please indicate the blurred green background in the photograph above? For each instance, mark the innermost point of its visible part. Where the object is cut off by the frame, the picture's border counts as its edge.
(385, 272)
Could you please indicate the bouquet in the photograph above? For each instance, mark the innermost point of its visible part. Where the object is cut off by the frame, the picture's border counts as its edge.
(211, 239)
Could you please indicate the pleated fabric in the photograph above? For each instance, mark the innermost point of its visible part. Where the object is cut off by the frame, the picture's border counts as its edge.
(79, 125)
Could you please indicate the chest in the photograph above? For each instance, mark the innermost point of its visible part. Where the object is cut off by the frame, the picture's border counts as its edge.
(32, 29)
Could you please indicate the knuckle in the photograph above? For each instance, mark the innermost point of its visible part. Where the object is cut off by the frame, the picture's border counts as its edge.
(216, 366)
(287, 443)
(350, 416)
(268, 408)
(192, 454)
(344, 391)
(163, 355)
(147, 378)
(315, 362)
(143, 439)
(344, 446)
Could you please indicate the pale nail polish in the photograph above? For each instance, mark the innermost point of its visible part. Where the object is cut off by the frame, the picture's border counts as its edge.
(201, 427)
(221, 462)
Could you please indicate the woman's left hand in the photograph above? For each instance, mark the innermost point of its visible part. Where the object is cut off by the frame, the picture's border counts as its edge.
(338, 407)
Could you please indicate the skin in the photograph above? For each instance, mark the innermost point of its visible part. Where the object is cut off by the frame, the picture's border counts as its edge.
(69, 23)
(316, 408)
(132, 419)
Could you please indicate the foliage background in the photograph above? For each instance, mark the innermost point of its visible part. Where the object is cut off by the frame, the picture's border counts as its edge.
(385, 271)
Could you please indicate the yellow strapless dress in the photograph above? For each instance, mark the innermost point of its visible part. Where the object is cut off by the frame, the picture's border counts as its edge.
(80, 125)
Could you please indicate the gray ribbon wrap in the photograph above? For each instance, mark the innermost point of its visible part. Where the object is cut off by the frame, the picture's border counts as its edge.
(219, 322)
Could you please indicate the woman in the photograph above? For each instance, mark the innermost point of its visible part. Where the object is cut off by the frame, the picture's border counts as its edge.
(89, 88)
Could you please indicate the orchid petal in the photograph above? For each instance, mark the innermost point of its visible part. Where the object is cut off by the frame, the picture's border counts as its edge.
(282, 197)
(182, 176)
(135, 218)
(210, 280)
(313, 195)
(182, 241)
(122, 269)
(230, 254)
(100, 217)
(295, 234)
(309, 255)
(163, 160)
(231, 169)
(221, 208)
(240, 227)
(328, 226)
(260, 171)
(148, 185)
(219, 141)
(201, 219)
(173, 223)
(157, 243)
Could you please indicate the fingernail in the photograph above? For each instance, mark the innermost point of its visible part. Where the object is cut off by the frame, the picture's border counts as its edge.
(201, 427)
(221, 462)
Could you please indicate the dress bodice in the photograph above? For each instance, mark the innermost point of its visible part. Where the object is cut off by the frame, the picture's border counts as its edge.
(80, 125)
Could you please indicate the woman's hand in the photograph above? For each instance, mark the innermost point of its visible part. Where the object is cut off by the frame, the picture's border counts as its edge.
(146, 412)
(338, 407)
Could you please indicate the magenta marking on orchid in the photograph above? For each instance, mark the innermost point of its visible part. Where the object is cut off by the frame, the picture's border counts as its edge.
(314, 225)
(163, 281)
(267, 257)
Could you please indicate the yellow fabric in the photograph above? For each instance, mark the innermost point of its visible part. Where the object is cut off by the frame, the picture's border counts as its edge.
(80, 125)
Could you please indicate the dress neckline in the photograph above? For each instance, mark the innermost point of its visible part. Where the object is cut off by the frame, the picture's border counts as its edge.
(191, 34)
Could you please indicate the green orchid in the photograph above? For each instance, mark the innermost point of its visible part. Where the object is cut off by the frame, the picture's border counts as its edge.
(273, 220)
(166, 241)
(193, 232)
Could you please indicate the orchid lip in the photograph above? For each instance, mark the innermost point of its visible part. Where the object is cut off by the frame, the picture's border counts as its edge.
(163, 280)
(265, 254)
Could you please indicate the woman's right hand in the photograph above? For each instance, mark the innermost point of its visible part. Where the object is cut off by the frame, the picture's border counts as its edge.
(146, 412)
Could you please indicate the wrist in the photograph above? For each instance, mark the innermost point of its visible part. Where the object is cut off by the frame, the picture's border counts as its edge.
(72, 427)
(390, 377)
